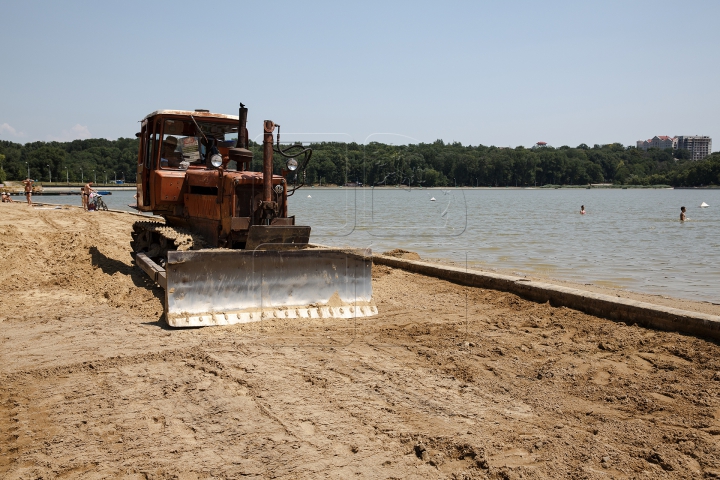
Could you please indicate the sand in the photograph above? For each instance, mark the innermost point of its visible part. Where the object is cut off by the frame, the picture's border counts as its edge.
(447, 382)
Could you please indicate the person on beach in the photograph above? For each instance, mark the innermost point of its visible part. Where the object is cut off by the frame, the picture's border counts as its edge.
(28, 190)
(682, 214)
(582, 209)
(6, 198)
(87, 190)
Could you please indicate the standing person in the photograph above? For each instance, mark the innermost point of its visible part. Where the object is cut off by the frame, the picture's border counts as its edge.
(87, 190)
(82, 198)
(582, 209)
(28, 190)
(682, 214)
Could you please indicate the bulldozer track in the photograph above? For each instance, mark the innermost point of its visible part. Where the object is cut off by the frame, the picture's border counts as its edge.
(156, 239)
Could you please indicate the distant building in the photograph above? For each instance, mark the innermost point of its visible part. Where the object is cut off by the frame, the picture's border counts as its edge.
(662, 142)
(540, 145)
(698, 146)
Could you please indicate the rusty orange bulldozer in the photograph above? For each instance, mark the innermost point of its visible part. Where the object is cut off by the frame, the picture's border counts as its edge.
(228, 251)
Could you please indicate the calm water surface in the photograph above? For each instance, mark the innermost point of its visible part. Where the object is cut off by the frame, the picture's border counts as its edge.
(628, 239)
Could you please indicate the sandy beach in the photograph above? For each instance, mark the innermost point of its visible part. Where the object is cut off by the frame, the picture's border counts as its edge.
(446, 382)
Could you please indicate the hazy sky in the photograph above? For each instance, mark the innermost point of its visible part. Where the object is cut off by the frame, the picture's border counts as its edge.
(495, 73)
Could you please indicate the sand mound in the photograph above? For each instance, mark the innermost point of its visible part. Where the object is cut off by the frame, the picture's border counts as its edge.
(81, 254)
(400, 253)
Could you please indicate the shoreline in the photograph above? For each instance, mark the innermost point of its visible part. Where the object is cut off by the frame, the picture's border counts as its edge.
(638, 310)
(699, 306)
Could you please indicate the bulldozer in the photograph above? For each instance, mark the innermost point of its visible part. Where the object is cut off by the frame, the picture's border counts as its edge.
(226, 250)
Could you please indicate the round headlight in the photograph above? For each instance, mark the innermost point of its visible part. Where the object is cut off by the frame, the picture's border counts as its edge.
(278, 189)
(216, 160)
(292, 164)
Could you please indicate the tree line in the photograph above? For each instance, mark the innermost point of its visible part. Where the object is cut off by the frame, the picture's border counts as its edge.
(435, 164)
(94, 159)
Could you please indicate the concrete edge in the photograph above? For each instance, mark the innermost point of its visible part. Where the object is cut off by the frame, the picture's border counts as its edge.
(605, 306)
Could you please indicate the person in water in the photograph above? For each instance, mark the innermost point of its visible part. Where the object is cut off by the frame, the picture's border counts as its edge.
(682, 214)
(582, 209)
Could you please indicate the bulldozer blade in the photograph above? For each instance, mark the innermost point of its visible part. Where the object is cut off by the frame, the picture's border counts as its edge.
(223, 287)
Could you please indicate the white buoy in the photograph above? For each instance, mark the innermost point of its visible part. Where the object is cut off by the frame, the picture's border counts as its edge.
(703, 205)
(432, 199)
(309, 196)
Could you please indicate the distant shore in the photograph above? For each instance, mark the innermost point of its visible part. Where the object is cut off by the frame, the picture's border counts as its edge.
(59, 188)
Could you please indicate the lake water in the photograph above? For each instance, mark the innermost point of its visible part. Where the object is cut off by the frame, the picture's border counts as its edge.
(630, 239)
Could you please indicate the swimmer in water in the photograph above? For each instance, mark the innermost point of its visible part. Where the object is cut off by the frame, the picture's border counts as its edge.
(682, 214)
(582, 209)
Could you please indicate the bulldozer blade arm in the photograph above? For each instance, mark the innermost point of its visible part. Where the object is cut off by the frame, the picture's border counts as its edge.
(223, 287)
(277, 237)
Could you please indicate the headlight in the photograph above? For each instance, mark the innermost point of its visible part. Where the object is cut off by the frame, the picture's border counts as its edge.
(278, 189)
(216, 160)
(292, 164)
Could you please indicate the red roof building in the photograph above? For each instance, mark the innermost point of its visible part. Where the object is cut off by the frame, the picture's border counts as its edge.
(662, 142)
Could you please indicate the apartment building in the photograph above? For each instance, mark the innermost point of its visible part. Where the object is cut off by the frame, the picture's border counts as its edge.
(698, 146)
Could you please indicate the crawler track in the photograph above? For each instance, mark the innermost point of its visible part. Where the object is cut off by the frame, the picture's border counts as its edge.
(156, 239)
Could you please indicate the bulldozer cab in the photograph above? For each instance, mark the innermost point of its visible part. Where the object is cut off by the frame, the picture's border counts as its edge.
(194, 171)
(175, 141)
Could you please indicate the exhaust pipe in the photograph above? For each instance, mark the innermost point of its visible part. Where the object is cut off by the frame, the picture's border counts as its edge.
(240, 154)
(268, 162)
(242, 128)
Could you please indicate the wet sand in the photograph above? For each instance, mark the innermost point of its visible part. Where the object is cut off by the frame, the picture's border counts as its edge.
(447, 382)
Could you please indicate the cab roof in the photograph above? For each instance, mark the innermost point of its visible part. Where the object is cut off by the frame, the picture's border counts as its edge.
(193, 113)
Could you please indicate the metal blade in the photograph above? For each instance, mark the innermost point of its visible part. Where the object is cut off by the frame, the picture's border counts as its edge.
(216, 287)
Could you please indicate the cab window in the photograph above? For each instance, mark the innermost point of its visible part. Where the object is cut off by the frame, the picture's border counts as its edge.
(183, 145)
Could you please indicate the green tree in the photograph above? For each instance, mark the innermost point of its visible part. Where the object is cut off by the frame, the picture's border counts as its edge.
(46, 161)
(682, 154)
(426, 164)
(433, 178)
(3, 175)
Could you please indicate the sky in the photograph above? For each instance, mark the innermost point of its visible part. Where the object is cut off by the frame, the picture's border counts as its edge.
(504, 73)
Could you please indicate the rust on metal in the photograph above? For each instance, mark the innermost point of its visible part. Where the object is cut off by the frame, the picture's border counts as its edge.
(202, 206)
(239, 223)
(267, 160)
(277, 237)
(193, 113)
(169, 185)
